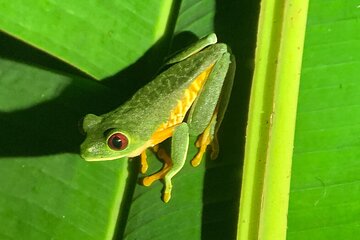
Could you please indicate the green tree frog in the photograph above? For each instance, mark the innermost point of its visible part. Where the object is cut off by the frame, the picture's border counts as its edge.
(189, 98)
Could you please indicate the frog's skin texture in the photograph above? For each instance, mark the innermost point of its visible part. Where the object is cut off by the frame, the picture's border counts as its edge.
(197, 83)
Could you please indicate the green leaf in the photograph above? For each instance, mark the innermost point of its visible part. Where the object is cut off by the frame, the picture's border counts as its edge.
(325, 196)
(270, 131)
(46, 189)
(89, 35)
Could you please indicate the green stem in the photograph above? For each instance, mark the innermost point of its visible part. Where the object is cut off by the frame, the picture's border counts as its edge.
(271, 123)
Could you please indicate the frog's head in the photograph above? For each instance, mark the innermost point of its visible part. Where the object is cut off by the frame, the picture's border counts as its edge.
(105, 142)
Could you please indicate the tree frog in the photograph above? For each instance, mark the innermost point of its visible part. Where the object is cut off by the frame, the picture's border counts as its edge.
(189, 98)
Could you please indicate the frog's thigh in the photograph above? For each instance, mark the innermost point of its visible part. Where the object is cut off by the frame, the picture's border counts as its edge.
(222, 105)
(204, 106)
(179, 148)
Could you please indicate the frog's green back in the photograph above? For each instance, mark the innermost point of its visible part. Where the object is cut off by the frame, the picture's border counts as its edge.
(152, 104)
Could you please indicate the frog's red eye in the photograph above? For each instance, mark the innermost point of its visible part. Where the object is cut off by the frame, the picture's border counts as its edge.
(118, 141)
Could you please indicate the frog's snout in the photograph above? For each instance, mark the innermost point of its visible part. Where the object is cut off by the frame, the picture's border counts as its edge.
(84, 151)
(87, 151)
(92, 151)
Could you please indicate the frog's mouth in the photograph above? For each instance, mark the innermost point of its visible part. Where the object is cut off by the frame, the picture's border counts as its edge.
(97, 159)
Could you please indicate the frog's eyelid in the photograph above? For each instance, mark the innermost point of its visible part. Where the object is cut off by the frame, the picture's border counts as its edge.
(106, 133)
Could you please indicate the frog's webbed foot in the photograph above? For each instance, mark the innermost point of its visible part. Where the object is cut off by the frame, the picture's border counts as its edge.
(202, 143)
(208, 137)
(161, 153)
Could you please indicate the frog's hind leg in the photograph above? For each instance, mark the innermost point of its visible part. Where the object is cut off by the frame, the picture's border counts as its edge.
(222, 106)
(209, 108)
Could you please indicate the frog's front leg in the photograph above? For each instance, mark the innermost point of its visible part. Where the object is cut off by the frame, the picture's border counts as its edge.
(179, 149)
(172, 165)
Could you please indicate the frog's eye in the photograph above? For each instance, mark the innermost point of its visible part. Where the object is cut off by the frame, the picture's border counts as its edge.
(117, 141)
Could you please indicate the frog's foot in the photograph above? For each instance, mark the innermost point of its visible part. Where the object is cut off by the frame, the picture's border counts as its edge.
(143, 159)
(167, 189)
(202, 143)
(147, 181)
(206, 138)
(143, 162)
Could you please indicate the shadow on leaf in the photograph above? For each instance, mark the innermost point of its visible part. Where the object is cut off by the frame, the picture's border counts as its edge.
(52, 126)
